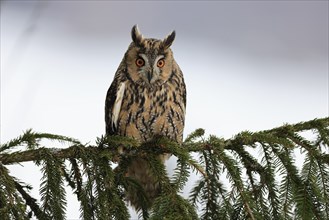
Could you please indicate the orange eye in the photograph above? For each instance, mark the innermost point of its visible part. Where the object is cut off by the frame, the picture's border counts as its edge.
(161, 63)
(140, 62)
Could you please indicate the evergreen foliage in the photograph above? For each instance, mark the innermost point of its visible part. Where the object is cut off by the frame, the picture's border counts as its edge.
(250, 176)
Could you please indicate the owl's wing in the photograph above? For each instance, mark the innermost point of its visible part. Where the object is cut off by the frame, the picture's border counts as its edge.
(113, 104)
(182, 87)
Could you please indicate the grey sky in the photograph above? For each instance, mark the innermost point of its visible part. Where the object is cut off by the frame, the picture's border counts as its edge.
(248, 64)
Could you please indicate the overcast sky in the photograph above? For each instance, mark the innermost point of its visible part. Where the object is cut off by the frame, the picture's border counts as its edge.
(248, 65)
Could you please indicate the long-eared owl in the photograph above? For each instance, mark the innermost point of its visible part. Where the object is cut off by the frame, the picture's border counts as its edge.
(147, 98)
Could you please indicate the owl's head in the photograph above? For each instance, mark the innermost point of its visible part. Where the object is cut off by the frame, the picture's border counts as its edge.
(149, 61)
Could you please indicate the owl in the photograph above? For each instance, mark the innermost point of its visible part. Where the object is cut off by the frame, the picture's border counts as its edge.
(147, 98)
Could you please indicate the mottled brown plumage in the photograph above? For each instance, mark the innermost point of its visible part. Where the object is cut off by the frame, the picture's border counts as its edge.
(147, 98)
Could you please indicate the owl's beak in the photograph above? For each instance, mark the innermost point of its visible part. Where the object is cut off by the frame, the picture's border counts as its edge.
(149, 76)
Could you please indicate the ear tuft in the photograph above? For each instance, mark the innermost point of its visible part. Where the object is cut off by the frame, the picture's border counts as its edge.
(167, 41)
(136, 36)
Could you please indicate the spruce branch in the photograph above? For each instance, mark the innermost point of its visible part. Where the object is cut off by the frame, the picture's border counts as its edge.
(11, 203)
(253, 195)
(31, 140)
(31, 202)
(162, 145)
(53, 196)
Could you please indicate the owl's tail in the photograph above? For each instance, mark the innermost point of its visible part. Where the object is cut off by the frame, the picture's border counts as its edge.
(141, 172)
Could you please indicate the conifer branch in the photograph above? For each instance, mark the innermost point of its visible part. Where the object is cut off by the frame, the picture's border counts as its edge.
(77, 149)
(31, 202)
(100, 189)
